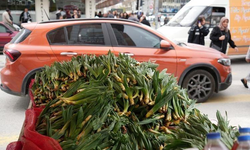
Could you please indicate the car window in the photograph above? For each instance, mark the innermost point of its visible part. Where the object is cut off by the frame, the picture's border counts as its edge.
(85, 34)
(186, 16)
(127, 35)
(2, 29)
(57, 37)
(217, 14)
(213, 15)
(20, 36)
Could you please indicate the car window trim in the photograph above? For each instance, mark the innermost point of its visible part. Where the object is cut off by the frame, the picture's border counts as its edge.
(114, 40)
(66, 35)
(81, 45)
(111, 35)
(106, 35)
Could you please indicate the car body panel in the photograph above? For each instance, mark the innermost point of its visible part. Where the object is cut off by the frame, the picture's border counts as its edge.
(165, 58)
(32, 58)
(64, 53)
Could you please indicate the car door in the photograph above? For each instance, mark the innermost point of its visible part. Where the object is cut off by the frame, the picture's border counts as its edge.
(79, 39)
(4, 36)
(142, 45)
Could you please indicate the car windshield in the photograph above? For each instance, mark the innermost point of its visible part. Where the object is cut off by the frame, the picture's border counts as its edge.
(186, 16)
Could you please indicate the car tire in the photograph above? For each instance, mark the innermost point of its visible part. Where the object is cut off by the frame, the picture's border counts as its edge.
(200, 85)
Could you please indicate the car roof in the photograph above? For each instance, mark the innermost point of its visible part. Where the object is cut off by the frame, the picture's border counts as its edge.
(89, 19)
(31, 26)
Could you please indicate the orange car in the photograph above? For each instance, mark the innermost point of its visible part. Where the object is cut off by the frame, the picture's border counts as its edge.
(200, 69)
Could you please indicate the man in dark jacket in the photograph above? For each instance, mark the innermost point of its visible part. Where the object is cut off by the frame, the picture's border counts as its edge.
(25, 16)
(198, 32)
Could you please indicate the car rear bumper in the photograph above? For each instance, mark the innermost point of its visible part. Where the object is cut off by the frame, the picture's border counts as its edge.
(227, 83)
(7, 90)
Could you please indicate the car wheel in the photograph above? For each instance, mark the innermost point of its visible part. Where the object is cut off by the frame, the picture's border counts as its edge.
(200, 85)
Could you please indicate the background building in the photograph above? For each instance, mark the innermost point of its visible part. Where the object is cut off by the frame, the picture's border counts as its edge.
(42, 10)
(146, 6)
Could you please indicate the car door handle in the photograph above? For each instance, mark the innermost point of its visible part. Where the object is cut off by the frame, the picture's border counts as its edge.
(128, 54)
(68, 53)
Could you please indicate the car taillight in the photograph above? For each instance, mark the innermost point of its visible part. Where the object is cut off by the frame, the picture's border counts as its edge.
(11, 54)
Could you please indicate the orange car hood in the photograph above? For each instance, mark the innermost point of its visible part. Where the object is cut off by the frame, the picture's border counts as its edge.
(198, 47)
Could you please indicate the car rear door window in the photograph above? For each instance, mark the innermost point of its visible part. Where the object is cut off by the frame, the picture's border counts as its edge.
(85, 34)
(57, 37)
(131, 36)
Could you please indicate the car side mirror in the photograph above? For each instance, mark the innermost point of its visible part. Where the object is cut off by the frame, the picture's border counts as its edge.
(165, 45)
(8, 31)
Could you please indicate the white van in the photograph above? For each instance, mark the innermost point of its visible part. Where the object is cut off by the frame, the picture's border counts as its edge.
(238, 12)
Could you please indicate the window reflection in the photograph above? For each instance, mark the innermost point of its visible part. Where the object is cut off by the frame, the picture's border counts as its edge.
(17, 4)
(67, 5)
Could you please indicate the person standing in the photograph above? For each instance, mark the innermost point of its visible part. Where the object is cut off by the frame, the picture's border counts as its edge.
(110, 15)
(247, 78)
(166, 20)
(79, 13)
(140, 15)
(221, 35)
(7, 18)
(75, 14)
(59, 13)
(144, 21)
(198, 32)
(68, 15)
(115, 13)
(96, 15)
(125, 15)
(100, 14)
(25, 16)
(132, 17)
(121, 15)
(62, 17)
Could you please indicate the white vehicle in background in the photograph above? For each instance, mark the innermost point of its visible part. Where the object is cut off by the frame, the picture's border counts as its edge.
(161, 16)
(238, 12)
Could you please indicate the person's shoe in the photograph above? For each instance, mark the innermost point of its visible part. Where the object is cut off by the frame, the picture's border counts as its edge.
(244, 83)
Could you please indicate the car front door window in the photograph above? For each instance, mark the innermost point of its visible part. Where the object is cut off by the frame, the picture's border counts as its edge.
(142, 45)
(131, 36)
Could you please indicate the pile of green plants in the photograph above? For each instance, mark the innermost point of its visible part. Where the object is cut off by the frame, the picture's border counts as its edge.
(110, 102)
